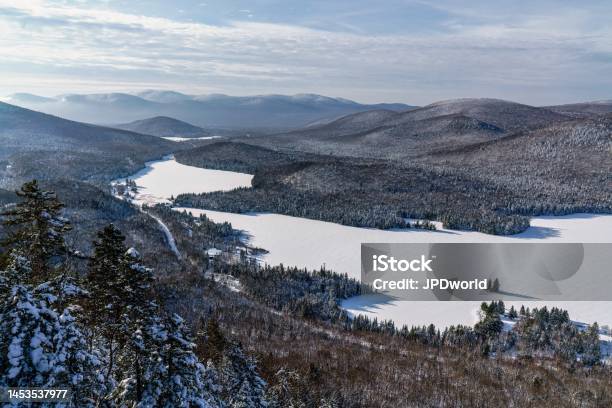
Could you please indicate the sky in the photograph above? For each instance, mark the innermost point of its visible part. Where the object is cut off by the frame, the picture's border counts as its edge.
(411, 51)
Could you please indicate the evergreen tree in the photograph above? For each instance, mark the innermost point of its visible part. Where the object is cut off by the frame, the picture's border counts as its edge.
(242, 385)
(185, 382)
(41, 344)
(119, 293)
(512, 313)
(592, 349)
(215, 342)
(35, 227)
(501, 307)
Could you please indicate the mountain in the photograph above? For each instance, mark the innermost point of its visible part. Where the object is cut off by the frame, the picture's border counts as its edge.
(583, 110)
(163, 126)
(566, 162)
(27, 98)
(163, 96)
(38, 145)
(398, 135)
(506, 115)
(208, 111)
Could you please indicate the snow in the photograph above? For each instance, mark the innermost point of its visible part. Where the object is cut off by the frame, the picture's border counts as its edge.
(444, 314)
(214, 252)
(169, 237)
(312, 244)
(161, 179)
(185, 139)
(132, 252)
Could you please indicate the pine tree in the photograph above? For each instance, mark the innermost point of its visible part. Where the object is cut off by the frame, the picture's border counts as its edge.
(186, 382)
(592, 348)
(161, 369)
(119, 293)
(501, 307)
(41, 343)
(36, 228)
(242, 385)
(215, 342)
(512, 313)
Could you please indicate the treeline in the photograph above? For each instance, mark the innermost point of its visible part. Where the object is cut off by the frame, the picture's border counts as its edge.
(312, 295)
(317, 295)
(313, 205)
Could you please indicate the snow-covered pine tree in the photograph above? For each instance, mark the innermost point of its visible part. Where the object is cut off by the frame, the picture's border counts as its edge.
(119, 295)
(41, 344)
(591, 354)
(242, 384)
(162, 370)
(185, 382)
(35, 227)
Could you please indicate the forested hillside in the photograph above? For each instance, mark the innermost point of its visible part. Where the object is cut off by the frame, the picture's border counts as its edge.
(405, 135)
(367, 194)
(560, 168)
(374, 169)
(35, 145)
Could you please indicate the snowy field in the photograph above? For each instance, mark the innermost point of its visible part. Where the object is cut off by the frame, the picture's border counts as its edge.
(162, 179)
(184, 139)
(312, 244)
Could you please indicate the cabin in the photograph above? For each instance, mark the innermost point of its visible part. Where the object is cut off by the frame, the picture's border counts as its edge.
(213, 253)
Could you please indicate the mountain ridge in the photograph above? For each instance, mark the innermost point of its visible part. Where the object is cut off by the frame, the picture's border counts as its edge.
(213, 110)
(38, 145)
(163, 126)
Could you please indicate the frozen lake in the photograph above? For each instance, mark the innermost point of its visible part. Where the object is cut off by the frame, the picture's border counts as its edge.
(312, 244)
(162, 179)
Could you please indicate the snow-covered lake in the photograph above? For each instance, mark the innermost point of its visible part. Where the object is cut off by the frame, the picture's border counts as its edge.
(312, 244)
(162, 179)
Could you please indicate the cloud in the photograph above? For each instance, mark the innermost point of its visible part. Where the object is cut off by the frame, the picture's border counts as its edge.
(540, 58)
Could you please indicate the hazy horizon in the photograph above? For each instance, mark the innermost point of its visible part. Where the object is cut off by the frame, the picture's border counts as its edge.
(409, 51)
(5, 98)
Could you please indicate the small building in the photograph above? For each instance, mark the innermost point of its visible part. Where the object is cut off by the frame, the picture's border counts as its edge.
(213, 253)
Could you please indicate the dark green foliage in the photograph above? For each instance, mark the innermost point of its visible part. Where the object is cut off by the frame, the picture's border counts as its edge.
(368, 194)
(552, 332)
(313, 295)
(36, 228)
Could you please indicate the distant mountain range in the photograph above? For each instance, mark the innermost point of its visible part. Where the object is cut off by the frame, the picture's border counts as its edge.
(206, 111)
(584, 110)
